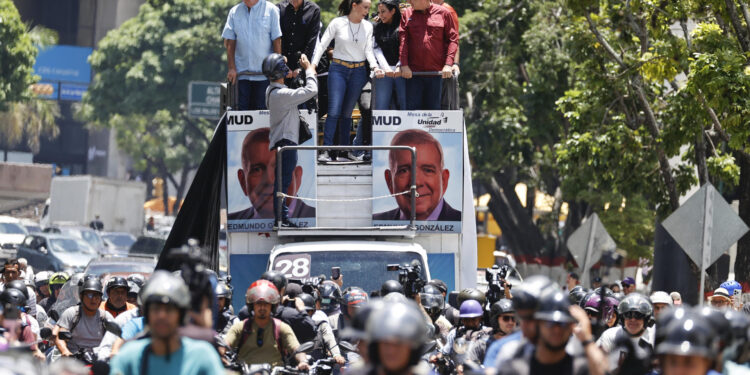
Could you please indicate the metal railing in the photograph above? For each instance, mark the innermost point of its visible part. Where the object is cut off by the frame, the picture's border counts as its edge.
(278, 194)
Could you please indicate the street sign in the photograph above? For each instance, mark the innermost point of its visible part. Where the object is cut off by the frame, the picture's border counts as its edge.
(204, 99)
(705, 226)
(588, 243)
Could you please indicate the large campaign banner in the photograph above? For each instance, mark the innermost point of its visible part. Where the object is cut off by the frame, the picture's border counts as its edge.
(438, 139)
(251, 174)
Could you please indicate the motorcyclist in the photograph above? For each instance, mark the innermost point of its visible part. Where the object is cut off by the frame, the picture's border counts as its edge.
(330, 304)
(294, 315)
(636, 316)
(30, 319)
(471, 330)
(576, 295)
(503, 320)
(391, 286)
(353, 299)
(17, 322)
(117, 296)
(166, 301)
(56, 282)
(689, 347)
(661, 301)
(41, 283)
(133, 290)
(432, 301)
(325, 341)
(396, 335)
(85, 321)
(225, 318)
(602, 314)
(12, 272)
(262, 338)
(138, 279)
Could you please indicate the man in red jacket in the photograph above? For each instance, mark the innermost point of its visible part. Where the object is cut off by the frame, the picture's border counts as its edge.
(429, 42)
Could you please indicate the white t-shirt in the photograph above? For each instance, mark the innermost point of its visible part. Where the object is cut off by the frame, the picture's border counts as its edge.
(353, 41)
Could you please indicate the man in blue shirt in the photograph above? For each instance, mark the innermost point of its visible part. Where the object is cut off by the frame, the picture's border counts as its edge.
(252, 32)
(166, 300)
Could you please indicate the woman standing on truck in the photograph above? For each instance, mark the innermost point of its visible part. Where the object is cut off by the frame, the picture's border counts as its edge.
(385, 46)
(348, 73)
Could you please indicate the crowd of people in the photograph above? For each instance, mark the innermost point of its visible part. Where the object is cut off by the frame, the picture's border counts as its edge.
(183, 322)
(404, 55)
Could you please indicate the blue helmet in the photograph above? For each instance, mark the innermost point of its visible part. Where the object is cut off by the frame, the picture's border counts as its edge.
(274, 67)
(731, 286)
(470, 309)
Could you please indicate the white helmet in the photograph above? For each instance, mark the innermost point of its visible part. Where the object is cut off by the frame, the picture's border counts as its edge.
(661, 297)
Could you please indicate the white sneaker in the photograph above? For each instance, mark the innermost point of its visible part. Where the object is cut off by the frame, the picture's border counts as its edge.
(354, 157)
(323, 157)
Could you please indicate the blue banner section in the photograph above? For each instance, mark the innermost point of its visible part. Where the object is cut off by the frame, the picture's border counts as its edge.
(64, 63)
(72, 91)
(245, 269)
(442, 266)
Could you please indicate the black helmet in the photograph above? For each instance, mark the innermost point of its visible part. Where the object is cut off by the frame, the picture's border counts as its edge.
(330, 295)
(90, 284)
(14, 297)
(308, 301)
(690, 336)
(137, 278)
(718, 321)
(526, 296)
(117, 282)
(402, 321)
(274, 67)
(133, 289)
(577, 295)
(391, 286)
(665, 319)
(19, 285)
(500, 307)
(277, 278)
(554, 306)
(432, 300)
(739, 322)
(472, 293)
(222, 290)
(439, 284)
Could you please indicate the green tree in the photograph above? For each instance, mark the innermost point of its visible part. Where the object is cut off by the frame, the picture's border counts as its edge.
(140, 86)
(31, 117)
(17, 56)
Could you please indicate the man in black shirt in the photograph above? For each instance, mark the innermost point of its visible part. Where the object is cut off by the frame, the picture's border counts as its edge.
(300, 26)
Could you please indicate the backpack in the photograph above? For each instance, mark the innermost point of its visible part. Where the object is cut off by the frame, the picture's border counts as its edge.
(77, 319)
(247, 325)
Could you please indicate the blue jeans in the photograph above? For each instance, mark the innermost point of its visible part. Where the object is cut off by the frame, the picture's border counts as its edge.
(388, 87)
(344, 87)
(423, 93)
(288, 163)
(251, 94)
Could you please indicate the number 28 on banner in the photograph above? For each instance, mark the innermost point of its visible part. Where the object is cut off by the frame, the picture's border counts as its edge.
(293, 265)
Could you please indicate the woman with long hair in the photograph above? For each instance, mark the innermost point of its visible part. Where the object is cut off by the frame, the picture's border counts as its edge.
(347, 73)
(386, 49)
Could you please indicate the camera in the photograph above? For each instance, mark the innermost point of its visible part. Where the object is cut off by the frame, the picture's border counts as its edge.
(309, 284)
(495, 277)
(410, 277)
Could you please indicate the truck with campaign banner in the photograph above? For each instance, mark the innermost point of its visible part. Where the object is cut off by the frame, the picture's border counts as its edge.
(357, 217)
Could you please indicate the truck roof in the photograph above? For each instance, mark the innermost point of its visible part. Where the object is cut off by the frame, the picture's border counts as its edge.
(348, 246)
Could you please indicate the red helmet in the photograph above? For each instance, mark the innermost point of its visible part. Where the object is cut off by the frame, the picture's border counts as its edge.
(262, 290)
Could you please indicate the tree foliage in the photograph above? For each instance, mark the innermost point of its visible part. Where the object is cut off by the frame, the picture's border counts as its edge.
(621, 105)
(140, 88)
(17, 56)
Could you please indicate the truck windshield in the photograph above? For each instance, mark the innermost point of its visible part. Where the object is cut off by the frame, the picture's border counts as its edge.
(364, 269)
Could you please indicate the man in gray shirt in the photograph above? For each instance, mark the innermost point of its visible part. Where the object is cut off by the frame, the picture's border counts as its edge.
(282, 104)
(84, 321)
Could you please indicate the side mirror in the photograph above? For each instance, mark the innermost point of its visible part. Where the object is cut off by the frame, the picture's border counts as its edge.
(113, 327)
(304, 348)
(43, 250)
(45, 333)
(65, 335)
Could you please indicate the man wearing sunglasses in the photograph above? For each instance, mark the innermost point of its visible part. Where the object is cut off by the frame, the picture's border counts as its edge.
(85, 321)
(503, 321)
(636, 316)
(555, 325)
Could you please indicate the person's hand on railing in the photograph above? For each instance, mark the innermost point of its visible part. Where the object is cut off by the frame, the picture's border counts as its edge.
(405, 71)
(447, 72)
(456, 69)
(393, 74)
(232, 75)
(379, 73)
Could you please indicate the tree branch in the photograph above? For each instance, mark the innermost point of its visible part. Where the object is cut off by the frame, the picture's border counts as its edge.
(716, 123)
(604, 42)
(746, 15)
(734, 18)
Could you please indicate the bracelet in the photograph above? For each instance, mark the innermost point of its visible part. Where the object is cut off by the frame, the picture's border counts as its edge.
(586, 343)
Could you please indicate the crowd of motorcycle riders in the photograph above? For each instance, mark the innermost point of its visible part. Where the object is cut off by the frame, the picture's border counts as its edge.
(183, 323)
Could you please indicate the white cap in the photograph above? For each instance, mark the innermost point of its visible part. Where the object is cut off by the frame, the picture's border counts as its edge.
(661, 297)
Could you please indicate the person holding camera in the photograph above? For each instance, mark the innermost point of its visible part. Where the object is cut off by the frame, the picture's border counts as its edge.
(285, 120)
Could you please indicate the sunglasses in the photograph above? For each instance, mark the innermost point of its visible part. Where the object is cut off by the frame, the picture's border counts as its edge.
(550, 324)
(508, 318)
(260, 337)
(92, 295)
(633, 315)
